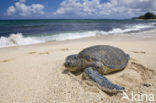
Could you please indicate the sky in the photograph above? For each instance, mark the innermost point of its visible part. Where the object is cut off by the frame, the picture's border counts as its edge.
(75, 9)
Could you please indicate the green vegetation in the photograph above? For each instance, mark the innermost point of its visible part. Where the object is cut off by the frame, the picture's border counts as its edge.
(146, 16)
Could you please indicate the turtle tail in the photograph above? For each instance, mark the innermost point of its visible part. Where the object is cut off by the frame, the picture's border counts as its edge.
(102, 82)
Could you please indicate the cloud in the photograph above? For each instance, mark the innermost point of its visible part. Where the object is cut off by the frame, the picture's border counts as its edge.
(11, 10)
(20, 8)
(111, 8)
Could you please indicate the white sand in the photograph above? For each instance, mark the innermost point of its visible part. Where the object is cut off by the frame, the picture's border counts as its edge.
(35, 74)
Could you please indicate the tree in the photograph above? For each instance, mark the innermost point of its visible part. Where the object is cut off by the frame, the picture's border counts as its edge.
(147, 15)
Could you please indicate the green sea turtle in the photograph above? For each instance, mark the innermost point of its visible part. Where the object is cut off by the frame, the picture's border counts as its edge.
(97, 61)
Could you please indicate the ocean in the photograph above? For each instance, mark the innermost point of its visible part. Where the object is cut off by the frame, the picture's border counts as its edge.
(27, 32)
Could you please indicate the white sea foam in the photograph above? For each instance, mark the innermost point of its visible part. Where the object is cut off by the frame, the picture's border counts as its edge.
(131, 28)
(67, 36)
(18, 39)
(77, 35)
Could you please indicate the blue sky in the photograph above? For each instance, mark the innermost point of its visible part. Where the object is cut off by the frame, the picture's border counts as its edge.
(74, 9)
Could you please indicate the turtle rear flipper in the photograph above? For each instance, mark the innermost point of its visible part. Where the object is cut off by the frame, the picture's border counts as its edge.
(102, 82)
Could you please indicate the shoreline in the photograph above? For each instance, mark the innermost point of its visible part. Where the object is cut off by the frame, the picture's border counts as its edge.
(35, 73)
(144, 35)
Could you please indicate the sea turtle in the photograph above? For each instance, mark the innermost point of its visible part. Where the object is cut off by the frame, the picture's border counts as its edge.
(97, 61)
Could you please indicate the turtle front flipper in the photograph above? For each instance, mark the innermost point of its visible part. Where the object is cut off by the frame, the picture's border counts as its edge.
(101, 81)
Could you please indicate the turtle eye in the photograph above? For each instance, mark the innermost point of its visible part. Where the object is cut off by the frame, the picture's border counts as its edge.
(70, 63)
(66, 64)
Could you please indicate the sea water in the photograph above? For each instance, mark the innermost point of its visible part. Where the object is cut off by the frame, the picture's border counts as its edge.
(26, 32)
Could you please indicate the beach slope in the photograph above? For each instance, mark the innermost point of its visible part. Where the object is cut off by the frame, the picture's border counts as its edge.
(35, 73)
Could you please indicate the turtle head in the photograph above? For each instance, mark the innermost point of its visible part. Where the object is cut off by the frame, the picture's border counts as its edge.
(72, 63)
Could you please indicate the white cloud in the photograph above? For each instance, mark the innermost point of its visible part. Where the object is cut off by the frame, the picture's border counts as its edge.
(112, 8)
(20, 8)
(11, 10)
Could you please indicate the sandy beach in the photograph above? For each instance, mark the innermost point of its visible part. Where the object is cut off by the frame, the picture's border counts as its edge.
(35, 73)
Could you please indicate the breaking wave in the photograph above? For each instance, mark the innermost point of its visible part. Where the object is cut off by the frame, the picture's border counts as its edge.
(18, 39)
(128, 29)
